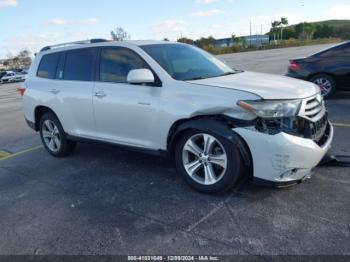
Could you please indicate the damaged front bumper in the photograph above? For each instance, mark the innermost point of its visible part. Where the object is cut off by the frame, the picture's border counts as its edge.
(284, 159)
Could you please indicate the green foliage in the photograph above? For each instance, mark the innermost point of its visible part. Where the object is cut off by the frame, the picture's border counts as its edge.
(186, 40)
(205, 42)
(289, 33)
(323, 29)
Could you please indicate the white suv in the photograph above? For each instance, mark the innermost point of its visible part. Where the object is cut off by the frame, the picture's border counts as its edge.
(218, 124)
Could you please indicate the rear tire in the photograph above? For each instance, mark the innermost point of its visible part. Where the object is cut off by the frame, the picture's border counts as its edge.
(209, 162)
(53, 136)
(326, 83)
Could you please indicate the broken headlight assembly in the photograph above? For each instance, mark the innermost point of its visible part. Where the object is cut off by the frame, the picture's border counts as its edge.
(275, 116)
(272, 108)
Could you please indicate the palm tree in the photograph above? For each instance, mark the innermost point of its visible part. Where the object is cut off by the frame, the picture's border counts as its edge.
(309, 30)
(275, 25)
(284, 22)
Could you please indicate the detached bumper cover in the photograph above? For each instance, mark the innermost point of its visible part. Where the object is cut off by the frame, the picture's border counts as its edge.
(284, 158)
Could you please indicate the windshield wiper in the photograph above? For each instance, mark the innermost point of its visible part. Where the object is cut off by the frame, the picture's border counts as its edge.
(201, 77)
(229, 73)
(196, 78)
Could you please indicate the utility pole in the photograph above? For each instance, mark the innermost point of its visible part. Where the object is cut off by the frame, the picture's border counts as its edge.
(250, 34)
(303, 24)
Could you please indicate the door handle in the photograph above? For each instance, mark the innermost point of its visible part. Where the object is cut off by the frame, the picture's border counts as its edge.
(100, 94)
(54, 91)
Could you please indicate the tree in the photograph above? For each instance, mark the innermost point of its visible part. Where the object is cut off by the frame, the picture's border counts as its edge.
(323, 31)
(309, 30)
(342, 32)
(289, 33)
(24, 58)
(206, 41)
(186, 40)
(275, 25)
(119, 34)
(299, 30)
(284, 22)
(235, 40)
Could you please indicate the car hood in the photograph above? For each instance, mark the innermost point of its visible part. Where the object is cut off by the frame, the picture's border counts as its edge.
(264, 85)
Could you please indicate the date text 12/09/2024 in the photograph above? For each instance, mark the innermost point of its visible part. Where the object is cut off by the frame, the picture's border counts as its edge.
(173, 258)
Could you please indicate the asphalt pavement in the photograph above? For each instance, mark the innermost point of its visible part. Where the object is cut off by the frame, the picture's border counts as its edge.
(105, 200)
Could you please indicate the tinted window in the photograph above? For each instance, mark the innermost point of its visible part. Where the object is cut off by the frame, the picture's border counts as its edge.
(116, 63)
(48, 65)
(185, 62)
(336, 51)
(60, 66)
(346, 51)
(80, 64)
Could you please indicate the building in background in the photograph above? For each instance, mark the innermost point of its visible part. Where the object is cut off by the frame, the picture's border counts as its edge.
(246, 41)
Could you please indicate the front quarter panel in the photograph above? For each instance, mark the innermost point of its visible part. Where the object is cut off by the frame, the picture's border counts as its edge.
(183, 101)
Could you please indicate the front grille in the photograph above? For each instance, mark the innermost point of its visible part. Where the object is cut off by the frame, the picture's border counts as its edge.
(314, 112)
(314, 107)
(316, 130)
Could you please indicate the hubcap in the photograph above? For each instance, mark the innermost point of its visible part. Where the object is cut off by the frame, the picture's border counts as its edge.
(51, 135)
(204, 159)
(324, 84)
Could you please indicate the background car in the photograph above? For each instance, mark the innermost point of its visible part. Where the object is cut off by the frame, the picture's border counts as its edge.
(329, 69)
(11, 77)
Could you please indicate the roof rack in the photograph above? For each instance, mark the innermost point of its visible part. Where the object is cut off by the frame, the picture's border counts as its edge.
(91, 41)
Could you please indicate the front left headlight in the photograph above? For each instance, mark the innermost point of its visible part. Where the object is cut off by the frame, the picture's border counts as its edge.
(272, 108)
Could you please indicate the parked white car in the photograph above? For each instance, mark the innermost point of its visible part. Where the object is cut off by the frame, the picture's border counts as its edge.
(11, 77)
(218, 124)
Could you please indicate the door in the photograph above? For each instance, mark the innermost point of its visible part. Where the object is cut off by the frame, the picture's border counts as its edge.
(69, 90)
(124, 113)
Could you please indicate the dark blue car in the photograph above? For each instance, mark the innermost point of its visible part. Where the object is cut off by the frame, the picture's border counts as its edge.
(329, 69)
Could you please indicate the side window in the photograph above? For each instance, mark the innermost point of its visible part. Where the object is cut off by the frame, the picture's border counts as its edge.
(80, 64)
(346, 51)
(337, 52)
(60, 66)
(48, 65)
(115, 64)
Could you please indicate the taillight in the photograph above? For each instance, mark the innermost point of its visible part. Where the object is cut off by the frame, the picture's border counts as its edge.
(21, 90)
(294, 66)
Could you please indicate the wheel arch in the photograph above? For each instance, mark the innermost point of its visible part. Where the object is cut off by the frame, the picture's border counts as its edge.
(323, 73)
(39, 111)
(220, 124)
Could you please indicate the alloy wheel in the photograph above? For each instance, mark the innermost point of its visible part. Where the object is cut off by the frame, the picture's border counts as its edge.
(204, 159)
(51, 136)
(325, 85)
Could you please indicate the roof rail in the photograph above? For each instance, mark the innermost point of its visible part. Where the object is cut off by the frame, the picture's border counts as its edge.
(83, 42)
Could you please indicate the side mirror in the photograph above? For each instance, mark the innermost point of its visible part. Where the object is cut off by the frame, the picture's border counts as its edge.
(140, 76)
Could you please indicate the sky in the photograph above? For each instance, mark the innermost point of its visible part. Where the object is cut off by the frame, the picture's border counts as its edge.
(33, 24)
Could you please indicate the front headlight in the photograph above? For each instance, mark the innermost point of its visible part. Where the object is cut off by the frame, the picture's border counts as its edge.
(272, 108)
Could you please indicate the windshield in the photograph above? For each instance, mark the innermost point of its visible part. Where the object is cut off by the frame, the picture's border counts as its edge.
(185, 62)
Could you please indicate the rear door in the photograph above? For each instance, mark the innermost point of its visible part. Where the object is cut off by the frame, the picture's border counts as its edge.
(124, 113)
(66, 78)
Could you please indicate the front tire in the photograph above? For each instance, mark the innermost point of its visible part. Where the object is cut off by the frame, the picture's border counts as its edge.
(53, 136)
(209, 162)
(326, 83)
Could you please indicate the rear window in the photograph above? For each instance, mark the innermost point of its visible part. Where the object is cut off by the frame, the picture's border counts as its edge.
(79, 64)
(48, 66)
